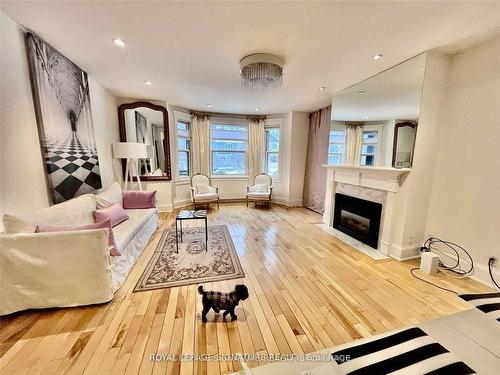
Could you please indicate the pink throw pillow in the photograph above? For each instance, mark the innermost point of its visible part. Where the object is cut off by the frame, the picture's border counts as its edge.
(113, 250)
(139, 199)
(115, 213)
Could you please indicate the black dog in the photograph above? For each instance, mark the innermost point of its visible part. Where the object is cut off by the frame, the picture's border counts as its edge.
(222, 301)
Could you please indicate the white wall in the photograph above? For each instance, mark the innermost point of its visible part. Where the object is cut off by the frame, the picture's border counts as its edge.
(465, 196)
(22, 179)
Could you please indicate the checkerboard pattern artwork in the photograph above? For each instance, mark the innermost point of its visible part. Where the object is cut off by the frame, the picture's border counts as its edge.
(72, 168)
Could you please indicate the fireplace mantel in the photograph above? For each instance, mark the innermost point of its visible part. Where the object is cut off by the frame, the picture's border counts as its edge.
(382, 178)
(379, 178)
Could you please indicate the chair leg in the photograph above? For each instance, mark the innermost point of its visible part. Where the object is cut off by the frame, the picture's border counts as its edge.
(218, 203)
(247, 201)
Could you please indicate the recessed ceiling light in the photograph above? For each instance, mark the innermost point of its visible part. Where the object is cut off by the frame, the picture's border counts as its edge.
(322, 88)
(119, 43)
(209, 105)
(377, 57)
(368, 117)
(257, 109)
(361, 92)
(148, 83)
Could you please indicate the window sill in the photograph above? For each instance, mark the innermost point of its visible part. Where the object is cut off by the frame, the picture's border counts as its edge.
(236, 178)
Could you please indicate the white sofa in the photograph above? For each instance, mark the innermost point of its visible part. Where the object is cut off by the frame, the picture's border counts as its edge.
(60, 269)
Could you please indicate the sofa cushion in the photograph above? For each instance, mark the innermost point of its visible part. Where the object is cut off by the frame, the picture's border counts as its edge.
(127, 230)
(139, 199)
(75, 212)
(206, 197)
(115, 213)
(113, 250)
(110, 196)
(258, 195)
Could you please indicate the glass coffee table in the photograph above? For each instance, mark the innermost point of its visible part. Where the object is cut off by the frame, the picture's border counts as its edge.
(190, 215)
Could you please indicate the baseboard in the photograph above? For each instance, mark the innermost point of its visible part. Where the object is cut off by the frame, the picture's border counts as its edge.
(288, 203)
(482, 275)
(404, 253)
(164, 207)
(183, 203)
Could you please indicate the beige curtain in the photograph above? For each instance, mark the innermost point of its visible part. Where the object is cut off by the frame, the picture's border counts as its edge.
(200, 138)
(256, 145)
(354, 141)
(317, 155)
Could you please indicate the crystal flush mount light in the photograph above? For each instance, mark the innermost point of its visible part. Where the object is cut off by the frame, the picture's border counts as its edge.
(261, 71)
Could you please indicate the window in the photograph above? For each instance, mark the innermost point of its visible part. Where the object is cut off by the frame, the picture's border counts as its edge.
(336, 146)
(273, 151)
(229, 149)
(369, 147)
(184, 148)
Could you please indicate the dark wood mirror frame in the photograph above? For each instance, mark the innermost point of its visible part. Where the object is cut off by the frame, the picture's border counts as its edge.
(166, 141)
(411, 124)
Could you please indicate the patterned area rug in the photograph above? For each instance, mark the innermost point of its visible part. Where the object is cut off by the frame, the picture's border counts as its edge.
(193, 264)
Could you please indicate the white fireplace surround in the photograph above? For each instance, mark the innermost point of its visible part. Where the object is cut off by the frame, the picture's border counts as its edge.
(377, 184)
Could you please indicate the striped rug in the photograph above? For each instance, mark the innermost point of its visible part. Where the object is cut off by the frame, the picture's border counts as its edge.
(410, 351)
(489, 303)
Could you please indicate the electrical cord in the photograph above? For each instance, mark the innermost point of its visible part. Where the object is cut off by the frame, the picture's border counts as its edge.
(430, 282)
(454, 270)
(490, 261)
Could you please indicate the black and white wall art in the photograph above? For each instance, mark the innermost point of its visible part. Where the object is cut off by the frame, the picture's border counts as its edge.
(62, 106)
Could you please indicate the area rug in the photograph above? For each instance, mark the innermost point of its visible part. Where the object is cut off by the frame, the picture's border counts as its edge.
(192, 265)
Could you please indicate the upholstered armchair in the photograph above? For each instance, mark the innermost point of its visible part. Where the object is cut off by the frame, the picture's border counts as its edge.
(261, 190)
(202, 192)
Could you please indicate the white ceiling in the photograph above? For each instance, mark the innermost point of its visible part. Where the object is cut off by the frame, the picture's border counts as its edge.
(191, 50)
(393, 94)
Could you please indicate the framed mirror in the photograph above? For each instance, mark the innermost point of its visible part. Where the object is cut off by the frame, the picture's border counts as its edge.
(404, 143)
(144, 122)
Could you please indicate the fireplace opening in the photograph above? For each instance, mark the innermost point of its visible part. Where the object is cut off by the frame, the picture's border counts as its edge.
(358, 218)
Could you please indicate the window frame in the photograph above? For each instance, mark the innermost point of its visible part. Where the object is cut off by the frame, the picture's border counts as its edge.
(379, 128)
(188, 119)
(273, 124)
(335, 127)
(227, 121)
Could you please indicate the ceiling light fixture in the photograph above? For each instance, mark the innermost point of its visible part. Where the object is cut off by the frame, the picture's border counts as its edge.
(361, 92)
(261, 71)
(209, 105)
(368, 117)
(148, 83)
(377, 57)
(257, 109)
(322, 88)
(119, 43)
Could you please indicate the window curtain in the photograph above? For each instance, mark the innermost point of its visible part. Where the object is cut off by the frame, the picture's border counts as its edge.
(256, 145)
(354, 142)
(200, 138)
(317, 155)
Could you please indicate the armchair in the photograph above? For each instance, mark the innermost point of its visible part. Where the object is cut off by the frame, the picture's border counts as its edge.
(202, 192)
(261, 190)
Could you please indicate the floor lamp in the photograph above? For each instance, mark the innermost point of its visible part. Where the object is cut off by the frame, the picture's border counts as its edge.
(132, 152)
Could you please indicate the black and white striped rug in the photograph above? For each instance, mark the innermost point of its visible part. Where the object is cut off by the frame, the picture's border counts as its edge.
(489, 303)
(410, 351)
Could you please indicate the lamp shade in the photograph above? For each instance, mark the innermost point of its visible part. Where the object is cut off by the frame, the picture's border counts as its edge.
(130, 150)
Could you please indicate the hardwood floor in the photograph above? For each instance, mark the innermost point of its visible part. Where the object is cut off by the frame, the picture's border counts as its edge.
(307, 289)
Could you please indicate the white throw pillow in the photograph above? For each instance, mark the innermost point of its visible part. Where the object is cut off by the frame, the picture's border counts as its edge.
(261, 188)
(202, 188)
(110, 196)
(75, 212)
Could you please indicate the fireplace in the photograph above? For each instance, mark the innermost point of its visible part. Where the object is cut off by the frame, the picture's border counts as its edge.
(358, 218)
